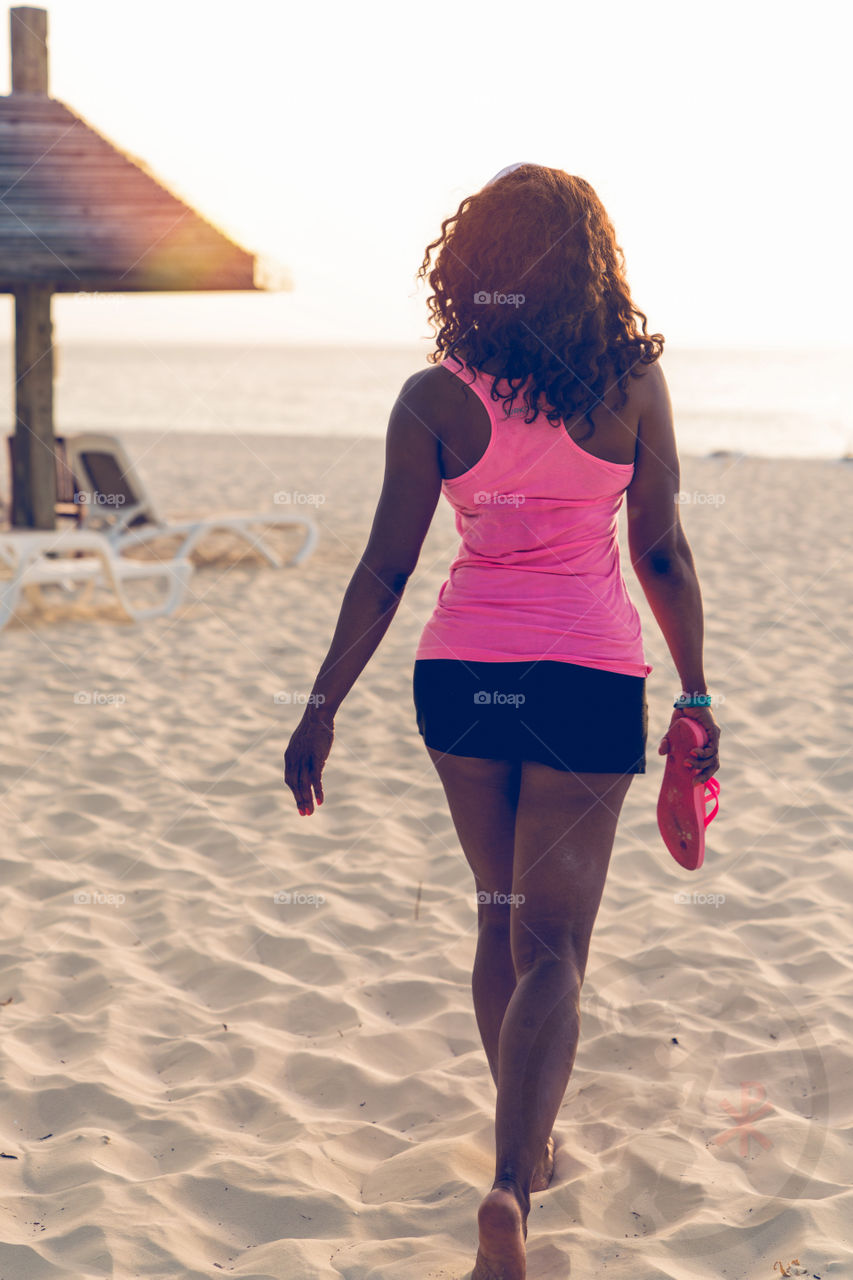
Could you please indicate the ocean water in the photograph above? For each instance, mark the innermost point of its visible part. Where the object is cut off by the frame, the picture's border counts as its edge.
(774, 403)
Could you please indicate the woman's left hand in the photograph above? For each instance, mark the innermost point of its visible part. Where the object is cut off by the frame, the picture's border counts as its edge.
(306, 754)
(705, 760)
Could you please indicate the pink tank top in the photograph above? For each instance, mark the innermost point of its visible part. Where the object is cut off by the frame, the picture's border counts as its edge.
(537, 573)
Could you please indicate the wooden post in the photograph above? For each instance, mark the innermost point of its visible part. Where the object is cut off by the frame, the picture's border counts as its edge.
(28, 29)
(34, 479)
(34, 476)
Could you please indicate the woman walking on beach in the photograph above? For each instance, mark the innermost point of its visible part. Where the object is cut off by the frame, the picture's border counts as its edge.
(544, 405)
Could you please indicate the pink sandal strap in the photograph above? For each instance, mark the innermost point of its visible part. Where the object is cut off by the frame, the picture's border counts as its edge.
(712, 786)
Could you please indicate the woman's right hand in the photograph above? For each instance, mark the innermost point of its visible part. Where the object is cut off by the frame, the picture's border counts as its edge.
(305, 758)
(707, 759)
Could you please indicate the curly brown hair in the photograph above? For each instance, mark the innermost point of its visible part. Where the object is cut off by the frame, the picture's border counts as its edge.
(539, 242)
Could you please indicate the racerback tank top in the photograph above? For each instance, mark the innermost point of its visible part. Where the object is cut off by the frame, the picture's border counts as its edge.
(537, 574)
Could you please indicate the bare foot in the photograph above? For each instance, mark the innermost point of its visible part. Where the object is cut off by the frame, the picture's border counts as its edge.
(544, 1171)
(502, 1234)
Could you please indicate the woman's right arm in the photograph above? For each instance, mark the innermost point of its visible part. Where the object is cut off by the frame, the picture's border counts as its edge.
(661, 555)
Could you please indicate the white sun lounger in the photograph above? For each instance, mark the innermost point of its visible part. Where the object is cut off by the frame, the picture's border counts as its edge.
(47, 558)
(113, 494)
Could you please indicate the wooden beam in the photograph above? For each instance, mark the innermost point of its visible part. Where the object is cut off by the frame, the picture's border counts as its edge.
(28, 30)
(34, 478)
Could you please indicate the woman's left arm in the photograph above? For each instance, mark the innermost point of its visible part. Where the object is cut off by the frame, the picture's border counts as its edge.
(407, 502)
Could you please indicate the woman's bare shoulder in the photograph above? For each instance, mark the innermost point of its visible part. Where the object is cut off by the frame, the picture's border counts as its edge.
(436, 388)
(647, 384)
(645, 372)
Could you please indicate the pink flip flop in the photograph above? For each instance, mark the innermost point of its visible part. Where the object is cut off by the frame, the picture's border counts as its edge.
(681, 804)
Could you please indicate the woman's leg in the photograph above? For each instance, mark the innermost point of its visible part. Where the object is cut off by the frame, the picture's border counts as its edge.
(483, 797)
(565, 826)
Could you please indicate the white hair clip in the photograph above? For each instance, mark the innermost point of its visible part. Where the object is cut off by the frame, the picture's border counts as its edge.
(508, 169)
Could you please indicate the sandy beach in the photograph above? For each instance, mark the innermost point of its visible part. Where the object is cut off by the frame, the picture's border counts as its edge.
(237, 1040)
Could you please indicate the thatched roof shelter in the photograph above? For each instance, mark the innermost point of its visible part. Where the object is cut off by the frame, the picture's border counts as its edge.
(77, 214)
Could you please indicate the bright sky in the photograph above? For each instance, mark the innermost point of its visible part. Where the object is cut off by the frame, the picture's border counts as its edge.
(335, 137)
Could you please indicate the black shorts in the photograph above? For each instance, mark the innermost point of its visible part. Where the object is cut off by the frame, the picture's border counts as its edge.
(570, 717)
